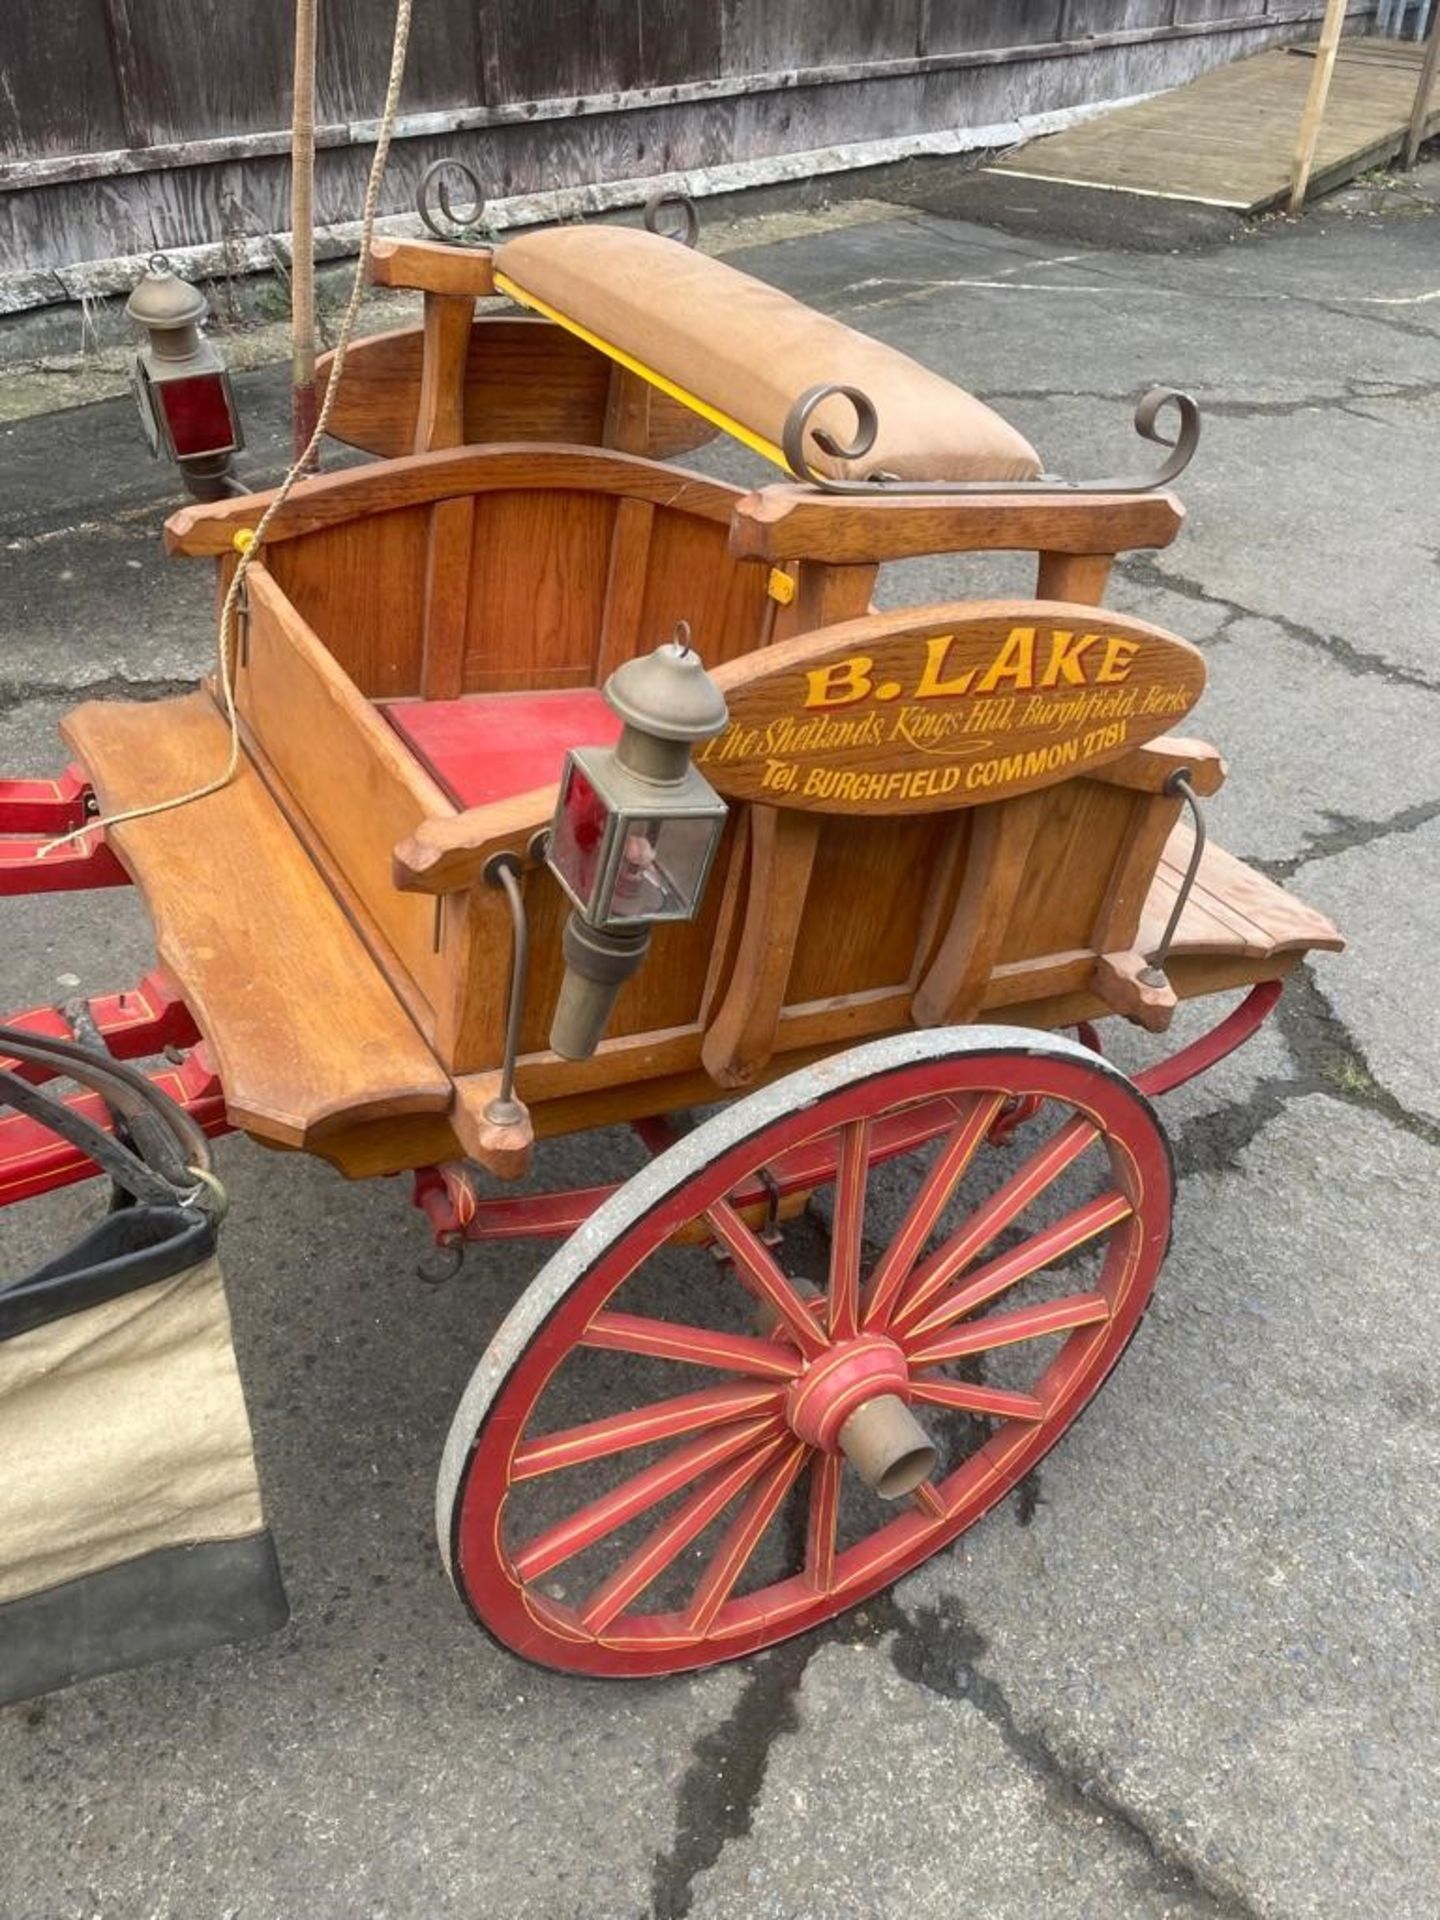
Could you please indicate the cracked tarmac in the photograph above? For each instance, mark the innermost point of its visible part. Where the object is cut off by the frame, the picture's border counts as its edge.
(1190, 1668)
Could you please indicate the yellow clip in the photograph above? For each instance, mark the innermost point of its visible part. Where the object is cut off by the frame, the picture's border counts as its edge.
(243, 539)
(780, 587)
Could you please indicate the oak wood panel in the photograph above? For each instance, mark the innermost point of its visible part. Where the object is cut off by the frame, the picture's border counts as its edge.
(331, 499)
(1073, 576)
(1152, 820)
(430, 266)
(1068, 871)
(1001, 839)
(446, 620)
(449, 852)
(305, 1033)
(620, 630)
(868, 905)
(692, 577)
(1149, 767)
(538, 573)
(525, 379)
(791, 523)
(361, 586)
(440, 410)
(1265, 917)
(346, 768)
(741, 1036)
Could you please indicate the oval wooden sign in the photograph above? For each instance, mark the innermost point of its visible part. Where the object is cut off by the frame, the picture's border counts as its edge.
(945, 706)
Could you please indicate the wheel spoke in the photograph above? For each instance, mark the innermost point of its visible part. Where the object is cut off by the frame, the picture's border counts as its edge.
(950, 1165)
(1042, 1250)
(663, 1420)
(670, 1539)
(823, 1522)
(672, 1340)
(742, 1537)
(757, 1269)
(968, 1396)
(847, 1230)
(1004, 1329)
(633, 1496)
(1060, 1151)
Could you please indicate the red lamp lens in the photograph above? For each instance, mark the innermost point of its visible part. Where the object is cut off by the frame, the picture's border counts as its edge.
(198, 414)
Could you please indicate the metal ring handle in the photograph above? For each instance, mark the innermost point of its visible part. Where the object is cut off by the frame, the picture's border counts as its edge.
(689, 230)
(448, 224)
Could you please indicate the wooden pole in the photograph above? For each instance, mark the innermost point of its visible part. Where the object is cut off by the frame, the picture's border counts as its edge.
(302, 229)
(1420, 112)
(1315, 104)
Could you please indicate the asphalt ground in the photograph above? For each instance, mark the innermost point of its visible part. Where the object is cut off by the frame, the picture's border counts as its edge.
(1191, 1667)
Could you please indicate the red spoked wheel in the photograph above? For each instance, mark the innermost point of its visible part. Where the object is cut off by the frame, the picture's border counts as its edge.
(672, 1455)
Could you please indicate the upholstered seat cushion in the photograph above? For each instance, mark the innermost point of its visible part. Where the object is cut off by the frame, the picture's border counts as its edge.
(749, 351)
(488, 746)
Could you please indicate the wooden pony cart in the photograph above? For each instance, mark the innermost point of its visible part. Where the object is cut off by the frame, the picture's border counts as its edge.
(824, 1329)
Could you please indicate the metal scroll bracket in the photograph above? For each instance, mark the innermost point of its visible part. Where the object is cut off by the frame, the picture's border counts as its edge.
(1148, 413)
(445, 215)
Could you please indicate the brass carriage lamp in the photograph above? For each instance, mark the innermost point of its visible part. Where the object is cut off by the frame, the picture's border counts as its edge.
(182, 388)
(634, 834)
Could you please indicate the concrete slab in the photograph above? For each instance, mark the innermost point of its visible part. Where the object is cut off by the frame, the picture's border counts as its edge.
(893, 1802)
(1385, 893)
(1255, 1680)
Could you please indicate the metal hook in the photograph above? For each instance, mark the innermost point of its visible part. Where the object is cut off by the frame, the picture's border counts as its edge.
(449, 225)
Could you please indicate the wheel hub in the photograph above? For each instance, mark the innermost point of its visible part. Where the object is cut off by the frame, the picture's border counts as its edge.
(852, 1400)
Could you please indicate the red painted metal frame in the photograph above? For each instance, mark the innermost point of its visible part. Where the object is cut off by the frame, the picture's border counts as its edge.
(457, 1210)
(33, 1160)
(145, 1020)
(33, 812)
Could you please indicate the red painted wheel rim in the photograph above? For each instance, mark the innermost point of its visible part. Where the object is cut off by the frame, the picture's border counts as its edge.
(721, 1471)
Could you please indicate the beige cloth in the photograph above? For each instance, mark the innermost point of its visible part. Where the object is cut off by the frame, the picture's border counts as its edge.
(750, 351)
(122, 1429)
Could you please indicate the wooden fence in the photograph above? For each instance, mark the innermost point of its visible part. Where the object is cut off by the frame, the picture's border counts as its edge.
(131, 125)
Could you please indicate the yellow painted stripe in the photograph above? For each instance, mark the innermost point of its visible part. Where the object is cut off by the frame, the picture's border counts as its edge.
(726, 422)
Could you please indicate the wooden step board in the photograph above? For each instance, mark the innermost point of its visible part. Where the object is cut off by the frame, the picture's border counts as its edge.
(1232, 910)
(303, 1029)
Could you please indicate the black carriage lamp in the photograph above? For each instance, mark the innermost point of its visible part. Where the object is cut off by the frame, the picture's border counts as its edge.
(187, 406)
(635, 830)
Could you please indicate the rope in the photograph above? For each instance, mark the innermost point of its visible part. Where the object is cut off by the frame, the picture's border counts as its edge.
(255, 540)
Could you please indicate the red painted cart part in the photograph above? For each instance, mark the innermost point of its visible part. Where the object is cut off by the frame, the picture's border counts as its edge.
(134, 1024)
(33, 1160)
(1211, 1047)
(44, 806)
(555, 1216)
(577, 1564)
(85, 863)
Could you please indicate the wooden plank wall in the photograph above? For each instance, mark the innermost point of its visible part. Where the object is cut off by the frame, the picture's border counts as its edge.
(127, 125)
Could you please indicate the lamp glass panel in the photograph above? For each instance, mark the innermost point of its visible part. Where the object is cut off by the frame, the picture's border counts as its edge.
(578, 837)
(662, 866)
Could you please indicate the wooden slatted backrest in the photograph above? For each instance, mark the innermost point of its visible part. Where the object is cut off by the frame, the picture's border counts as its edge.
(930, 799)
(508, 567)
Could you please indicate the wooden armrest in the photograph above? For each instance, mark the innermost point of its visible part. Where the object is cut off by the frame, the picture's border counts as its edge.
(795, 523)
(1147, 768)
(447, 855)
(431, 267)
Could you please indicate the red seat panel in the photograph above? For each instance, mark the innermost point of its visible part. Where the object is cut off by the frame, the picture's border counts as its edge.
(488, 746)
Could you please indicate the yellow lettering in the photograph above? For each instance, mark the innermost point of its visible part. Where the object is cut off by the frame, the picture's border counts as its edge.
(931, 686)
(840, 684)
(1015, 662)
(1064, 662)
(1118, 655)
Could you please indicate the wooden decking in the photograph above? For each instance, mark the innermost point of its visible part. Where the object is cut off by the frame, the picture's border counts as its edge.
(1228, 138)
